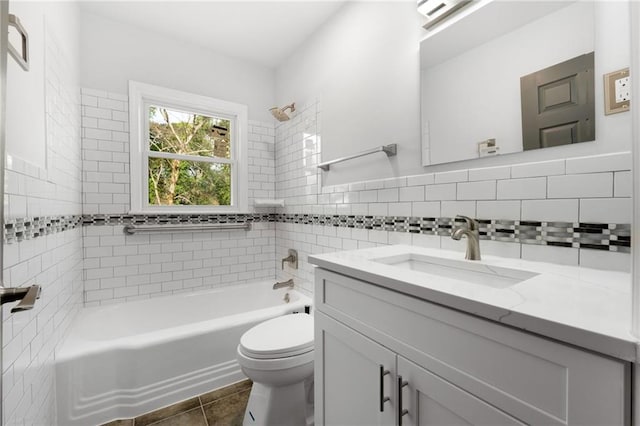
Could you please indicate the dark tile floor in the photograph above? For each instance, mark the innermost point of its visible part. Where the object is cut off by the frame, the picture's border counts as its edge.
(222, 407)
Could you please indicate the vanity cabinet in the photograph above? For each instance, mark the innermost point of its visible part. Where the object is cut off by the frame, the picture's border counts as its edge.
(448, 367)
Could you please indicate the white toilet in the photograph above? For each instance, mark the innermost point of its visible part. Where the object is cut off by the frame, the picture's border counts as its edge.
(278, 356)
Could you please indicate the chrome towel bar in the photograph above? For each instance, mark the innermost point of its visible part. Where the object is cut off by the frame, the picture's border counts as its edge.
(22, 58)
(390, 150)
(187, 227)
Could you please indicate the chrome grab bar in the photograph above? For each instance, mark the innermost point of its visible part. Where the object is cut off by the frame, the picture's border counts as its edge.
(21, 58)
(186, 227)
(26, 295)
(390, 150)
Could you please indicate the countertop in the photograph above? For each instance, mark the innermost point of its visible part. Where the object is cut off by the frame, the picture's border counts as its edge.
(585, 307)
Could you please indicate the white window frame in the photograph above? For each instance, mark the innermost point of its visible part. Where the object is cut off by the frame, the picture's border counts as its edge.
(141, 97)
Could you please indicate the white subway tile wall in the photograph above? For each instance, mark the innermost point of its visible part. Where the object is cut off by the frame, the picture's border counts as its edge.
(31, 338)
(522, 189)
(544, 168)
(533, 191)
(510, 209)
(502, 172)
(622, 184)
(478, 190)
(600, 163)
(121, 268)
(439, 192)
(54, 261)
(453, 176)
(609, 210)
(453, 208)
(551, 210)
(596, 185)
(105, 152)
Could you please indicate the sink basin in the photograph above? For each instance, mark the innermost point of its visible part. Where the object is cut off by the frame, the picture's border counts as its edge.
(467, 271)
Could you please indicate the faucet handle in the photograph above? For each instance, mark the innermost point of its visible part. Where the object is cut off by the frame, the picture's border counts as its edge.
(292, 259)
(472, 224)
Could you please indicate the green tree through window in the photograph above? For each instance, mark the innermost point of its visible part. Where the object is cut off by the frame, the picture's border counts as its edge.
(186, 181)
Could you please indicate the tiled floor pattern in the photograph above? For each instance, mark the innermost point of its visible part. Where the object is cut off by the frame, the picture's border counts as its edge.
(222, 407)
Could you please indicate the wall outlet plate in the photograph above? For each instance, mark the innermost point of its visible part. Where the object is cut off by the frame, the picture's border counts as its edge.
(623, 89)
(617, 91)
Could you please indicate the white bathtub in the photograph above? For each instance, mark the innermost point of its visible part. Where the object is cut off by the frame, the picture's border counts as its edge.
(124, 360)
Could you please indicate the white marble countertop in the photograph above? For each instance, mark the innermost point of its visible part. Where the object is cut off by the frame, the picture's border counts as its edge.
(586, 307)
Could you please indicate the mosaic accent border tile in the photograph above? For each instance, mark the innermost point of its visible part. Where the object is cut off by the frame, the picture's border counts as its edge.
(596, 236)
(16, 230)
(165, 219)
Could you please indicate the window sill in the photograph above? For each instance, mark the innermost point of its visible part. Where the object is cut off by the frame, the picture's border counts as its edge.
(189, 211)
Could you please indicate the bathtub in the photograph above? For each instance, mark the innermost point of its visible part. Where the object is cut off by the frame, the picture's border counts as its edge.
(120, 361)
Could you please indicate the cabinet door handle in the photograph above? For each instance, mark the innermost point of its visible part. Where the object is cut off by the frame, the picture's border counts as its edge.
(383, 398)
(401, 411)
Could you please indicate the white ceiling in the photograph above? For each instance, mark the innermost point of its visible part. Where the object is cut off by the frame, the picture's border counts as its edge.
(264, 32)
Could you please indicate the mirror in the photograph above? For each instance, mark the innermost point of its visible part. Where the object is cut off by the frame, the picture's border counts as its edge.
(472, 65)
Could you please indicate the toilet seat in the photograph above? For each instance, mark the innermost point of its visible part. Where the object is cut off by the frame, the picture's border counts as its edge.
(281, 364)
(281, 337)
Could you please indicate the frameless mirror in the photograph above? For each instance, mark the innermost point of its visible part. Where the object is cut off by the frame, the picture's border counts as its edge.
(475, 95)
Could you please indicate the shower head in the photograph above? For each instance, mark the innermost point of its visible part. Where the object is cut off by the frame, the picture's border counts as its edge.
(280, 114)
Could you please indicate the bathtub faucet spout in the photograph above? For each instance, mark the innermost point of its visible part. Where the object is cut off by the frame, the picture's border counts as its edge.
(283, 284)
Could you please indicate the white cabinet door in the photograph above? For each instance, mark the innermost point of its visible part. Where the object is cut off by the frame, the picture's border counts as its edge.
(349, 386)
(430, 400)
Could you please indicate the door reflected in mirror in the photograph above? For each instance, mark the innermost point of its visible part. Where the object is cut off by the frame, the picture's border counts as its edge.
(557, 104)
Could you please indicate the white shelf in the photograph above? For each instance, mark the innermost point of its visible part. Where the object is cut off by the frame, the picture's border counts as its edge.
(268, 202)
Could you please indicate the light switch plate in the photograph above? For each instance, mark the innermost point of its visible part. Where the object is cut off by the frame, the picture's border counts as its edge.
(617, 91)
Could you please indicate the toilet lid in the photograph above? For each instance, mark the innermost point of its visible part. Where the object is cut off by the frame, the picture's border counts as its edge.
(279, 337)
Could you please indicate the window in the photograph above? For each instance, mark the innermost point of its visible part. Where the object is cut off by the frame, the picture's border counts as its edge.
(188, 152)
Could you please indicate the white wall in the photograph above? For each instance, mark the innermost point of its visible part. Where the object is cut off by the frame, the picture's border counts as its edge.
(363, 64)
(43, 178)
(25, 90)
(113, 53)
(484, 102)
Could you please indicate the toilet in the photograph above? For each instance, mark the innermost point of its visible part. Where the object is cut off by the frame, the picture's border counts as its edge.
(277, 355)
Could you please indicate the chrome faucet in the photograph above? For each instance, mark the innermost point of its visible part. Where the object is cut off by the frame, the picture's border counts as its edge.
(26, 295)
(283, 284)
(473, 237)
